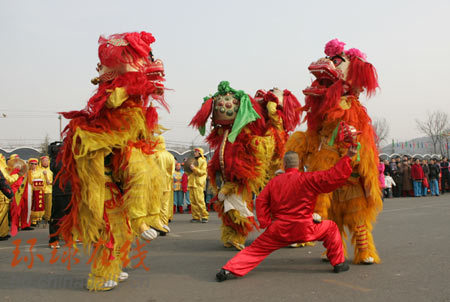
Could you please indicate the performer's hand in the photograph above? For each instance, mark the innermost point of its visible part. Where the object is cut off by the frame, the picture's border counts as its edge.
(352, 150)
(44, 172)
(192, 167)
(23, 171)
(317, 218)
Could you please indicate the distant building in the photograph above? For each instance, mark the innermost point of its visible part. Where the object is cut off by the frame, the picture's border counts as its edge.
(179, 151)
(23, 152)
(421, 147)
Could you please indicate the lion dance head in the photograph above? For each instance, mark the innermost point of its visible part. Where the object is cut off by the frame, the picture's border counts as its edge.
(341, 72)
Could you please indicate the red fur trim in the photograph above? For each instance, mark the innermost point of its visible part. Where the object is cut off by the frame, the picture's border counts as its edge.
(151, 118)
(281, 138)
(291, 111)
(202, 115)
(362, 75)
(240, 162)
(138, 88)
(68, 174)
(257, 127)
(318, 107)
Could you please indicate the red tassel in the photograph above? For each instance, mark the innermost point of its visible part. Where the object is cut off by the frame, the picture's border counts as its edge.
(291, 111)
(362, 75)
(151, 117)
(202, 115)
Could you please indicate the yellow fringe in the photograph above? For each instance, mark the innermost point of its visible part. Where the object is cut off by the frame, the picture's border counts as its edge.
(230, 235)
(102, 271)
(144, 190)
(143, 177)
(264, 152)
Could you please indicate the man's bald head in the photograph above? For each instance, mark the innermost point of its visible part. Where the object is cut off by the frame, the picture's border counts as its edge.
(290, 160)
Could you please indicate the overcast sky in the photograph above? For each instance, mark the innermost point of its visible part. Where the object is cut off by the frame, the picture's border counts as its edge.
(49, 54)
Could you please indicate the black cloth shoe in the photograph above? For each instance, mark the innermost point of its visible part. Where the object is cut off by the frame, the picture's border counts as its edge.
(28, 229)
(224, 275)
(204, 220)
(195, 220)
(4, 238)
(341, 267)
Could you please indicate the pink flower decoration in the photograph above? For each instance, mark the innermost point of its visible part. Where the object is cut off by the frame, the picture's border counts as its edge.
(354, 52)
(334, 47)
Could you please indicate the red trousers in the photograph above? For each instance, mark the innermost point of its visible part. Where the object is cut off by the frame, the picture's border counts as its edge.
(282, 233)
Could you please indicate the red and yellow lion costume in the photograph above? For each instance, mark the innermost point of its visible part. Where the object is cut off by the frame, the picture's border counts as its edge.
(333, 98)
(248, 138)
(106, 156)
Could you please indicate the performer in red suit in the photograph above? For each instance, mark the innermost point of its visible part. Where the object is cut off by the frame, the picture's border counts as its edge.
(285, 207)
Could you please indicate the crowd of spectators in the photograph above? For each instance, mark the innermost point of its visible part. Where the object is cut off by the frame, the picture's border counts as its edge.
(404, 176)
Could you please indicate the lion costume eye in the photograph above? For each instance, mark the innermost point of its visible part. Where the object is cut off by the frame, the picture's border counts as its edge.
(337, 60)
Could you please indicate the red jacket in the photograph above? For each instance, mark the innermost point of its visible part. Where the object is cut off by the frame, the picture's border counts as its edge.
(292, 195)
(417, 172)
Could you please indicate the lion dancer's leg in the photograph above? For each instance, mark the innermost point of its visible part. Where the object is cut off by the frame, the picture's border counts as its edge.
(143, 187)
(356, 216)
(235, 229)
(237, 219)
(165, 210)
(362, 239)
(4, 209)
(108, 262)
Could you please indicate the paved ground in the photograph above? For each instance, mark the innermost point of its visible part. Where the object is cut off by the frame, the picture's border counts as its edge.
(412, 236)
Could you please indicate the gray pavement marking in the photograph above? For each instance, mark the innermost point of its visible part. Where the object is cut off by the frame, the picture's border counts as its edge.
(348, 285)
(197, 231)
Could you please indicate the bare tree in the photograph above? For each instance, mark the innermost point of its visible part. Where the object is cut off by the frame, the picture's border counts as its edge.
(434, 127)
(381, 127)
(44, 145)
(446, 139)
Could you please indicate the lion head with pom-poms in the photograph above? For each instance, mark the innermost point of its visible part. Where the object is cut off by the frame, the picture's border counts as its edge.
(126, 60)
(229, 108)
(341, 72)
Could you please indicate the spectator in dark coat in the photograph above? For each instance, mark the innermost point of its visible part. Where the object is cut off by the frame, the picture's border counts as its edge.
(426, 180)
(387, 167)
(398, 178)
(407, 182)
(434, 177)
(445, 174)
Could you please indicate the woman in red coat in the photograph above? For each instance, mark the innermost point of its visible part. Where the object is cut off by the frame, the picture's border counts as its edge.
(417, 176)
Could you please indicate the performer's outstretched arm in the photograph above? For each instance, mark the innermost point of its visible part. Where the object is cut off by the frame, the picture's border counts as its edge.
(333, 178)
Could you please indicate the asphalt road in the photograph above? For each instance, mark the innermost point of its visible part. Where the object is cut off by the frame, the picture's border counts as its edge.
(412, 236)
